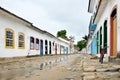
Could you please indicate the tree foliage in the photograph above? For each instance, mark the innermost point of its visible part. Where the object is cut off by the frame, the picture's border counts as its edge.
(81, 44)
(62, 34)
(85, 37)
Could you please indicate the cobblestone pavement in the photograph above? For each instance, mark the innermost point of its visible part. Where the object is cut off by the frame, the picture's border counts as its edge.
(61, 67)
(93, 70)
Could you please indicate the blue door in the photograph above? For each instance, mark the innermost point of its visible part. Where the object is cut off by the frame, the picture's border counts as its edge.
(41, 47)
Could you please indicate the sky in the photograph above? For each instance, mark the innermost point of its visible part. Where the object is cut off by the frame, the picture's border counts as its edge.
(53, 15)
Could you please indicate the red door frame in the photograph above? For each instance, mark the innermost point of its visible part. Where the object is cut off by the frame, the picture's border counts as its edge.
(112, 31)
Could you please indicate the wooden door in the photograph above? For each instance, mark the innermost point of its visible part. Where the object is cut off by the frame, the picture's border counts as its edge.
(115, 36)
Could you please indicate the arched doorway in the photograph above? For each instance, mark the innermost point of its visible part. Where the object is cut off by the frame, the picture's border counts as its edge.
(41, 47)
(66, 50)
(113, 33)
(105, 36)
(101, 38)
(46, 47)
(50, 47)
(55, 48)
(98, 42)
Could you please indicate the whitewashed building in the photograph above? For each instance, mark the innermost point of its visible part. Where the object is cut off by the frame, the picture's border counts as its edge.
(106, 16)
(18, 37)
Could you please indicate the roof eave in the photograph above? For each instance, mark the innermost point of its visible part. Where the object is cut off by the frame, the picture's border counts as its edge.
(101, 8)
(91, 6)
(15, 15)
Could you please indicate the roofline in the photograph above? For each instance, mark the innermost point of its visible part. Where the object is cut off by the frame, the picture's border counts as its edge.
(49, 33)
(33, 26)
(27, 22)
(66, 41)
(97, 10)
(58, 38)
(89, 5)
(15, 15)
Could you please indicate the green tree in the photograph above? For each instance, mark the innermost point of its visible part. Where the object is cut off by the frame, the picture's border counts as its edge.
(81, 44)
(62, 34)
(85, 37)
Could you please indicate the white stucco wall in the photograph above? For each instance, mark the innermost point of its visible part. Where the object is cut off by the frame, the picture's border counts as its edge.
(118, 24)
(8, 21)
(89, 46)
(65, 44)
(106, 16)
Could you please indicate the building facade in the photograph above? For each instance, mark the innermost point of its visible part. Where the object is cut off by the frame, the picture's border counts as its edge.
(106, 16)
(20, 38)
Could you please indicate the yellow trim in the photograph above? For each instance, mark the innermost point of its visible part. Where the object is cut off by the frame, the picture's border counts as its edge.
(20, 33)
(115, 36)
(10, 47)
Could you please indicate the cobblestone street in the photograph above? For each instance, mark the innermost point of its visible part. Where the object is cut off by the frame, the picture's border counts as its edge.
(59, 39)
(58, 67)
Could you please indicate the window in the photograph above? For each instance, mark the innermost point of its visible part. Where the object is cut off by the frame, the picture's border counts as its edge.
(37, 44)
(9, 38)
(21, 40)
(31, 43)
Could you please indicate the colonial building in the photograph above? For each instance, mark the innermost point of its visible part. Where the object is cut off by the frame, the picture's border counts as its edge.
(19, 37)
(105, 22)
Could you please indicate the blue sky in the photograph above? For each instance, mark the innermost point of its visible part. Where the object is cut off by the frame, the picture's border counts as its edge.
(53, 15)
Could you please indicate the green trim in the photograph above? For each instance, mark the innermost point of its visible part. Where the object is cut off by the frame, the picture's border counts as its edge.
(105, 37)
(97, 42)
(100, 37)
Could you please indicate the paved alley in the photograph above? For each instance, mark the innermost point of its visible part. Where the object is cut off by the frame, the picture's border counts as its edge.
(58, 67)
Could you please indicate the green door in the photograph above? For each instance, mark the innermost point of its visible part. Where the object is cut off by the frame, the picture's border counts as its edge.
(105, 36)
(97, 42)
(100, 38)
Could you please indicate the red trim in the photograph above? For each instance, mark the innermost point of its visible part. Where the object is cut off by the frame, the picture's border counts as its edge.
(112, 31)
(111, 36)
(115, 7)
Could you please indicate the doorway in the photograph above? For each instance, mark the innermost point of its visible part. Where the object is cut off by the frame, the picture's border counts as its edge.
(41, 47)
(55, 48)
(113, 33)
(50, 47)
(105, 36)
(46, 47)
